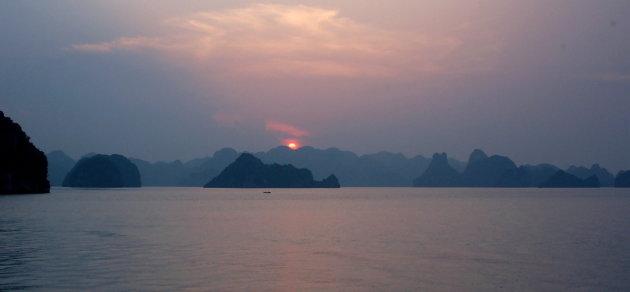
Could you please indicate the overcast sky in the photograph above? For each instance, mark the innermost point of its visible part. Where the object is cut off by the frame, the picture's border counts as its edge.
(538, 81)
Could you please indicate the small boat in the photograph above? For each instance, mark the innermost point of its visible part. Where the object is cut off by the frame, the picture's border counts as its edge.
(266, 192)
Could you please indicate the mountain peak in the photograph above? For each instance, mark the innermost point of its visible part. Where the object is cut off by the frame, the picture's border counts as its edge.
(247, 171)
(476, 156)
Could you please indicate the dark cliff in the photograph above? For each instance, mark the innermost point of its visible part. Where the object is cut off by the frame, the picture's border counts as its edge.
(23, 167)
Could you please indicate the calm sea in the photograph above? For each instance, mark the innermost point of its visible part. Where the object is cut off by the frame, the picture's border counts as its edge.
(349, 239)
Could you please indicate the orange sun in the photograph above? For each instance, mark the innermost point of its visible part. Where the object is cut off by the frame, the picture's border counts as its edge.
(292, 143)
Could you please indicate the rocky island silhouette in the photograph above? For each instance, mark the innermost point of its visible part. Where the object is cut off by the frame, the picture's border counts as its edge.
(103, 171)
(247, 171)
(23, 167)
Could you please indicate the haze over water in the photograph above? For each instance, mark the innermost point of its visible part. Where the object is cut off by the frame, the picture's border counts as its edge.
(349, 239)
(539, 81)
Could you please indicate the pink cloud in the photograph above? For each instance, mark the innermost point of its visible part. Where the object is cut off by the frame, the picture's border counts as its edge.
(131, 43)
(287, 40)
(286, 129)
(98, 48)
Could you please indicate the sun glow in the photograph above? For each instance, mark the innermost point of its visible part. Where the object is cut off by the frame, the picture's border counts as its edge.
(292, 143)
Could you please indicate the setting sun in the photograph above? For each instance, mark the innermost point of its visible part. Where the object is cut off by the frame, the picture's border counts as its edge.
(384, 107)
(292, 143)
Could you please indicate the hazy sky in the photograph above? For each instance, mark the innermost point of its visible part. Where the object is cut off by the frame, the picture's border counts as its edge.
(539, 81)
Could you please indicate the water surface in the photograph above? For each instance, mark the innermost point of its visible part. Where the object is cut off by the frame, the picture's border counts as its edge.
(349, 239)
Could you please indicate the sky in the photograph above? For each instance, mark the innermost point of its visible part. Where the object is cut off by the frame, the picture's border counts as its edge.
(538, 81)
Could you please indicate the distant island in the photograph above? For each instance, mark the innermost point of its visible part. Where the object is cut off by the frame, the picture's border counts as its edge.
(103, 171)
(438, 174)
(563, 179)
(247, 171)
(500, 171)
(382, 169)
(59, 165)
(23, 167)
(623, 179)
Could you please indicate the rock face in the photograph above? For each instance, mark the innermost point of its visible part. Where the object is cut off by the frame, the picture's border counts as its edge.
(562, 179)
(59, 164)
(438, 174)
(516, 178)
(526, 176)
(23, 168)
(486, 172)
(210, 167)
(476, 156)
(248, 171)
(103, 171)
(605, 178)
(382, 169)
(623, 179)
(541, 172)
